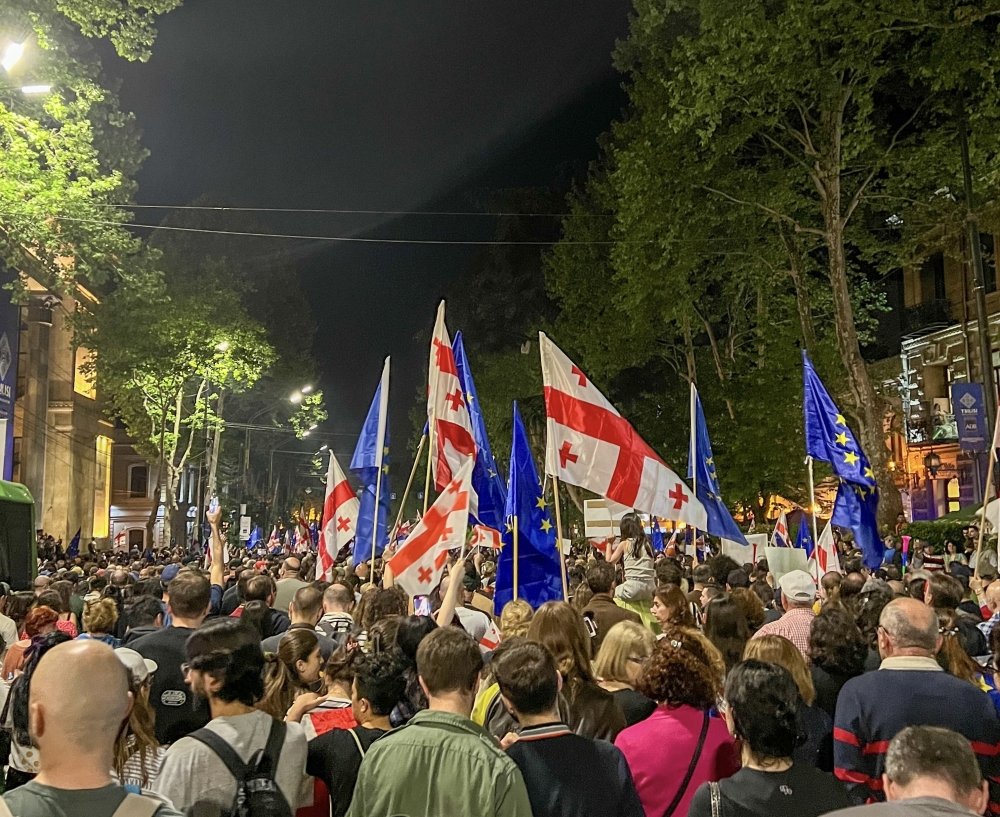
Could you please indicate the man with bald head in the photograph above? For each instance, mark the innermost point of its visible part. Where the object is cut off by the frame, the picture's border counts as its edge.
(75, 735)
(908, 689)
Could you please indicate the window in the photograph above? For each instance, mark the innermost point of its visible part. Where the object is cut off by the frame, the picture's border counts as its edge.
(83, 383)
(138, 481)
(102, 488)
(136, 538)
(954, 495)
(932, 279)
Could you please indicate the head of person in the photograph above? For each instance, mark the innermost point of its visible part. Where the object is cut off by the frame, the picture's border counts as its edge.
(52, 599)
(225, 662)
(306, 606)
(449, 665)
(943, 592)
(515, 618)
(411, 631)
(776, 649)
(797, 590)
(928, 761)
(726, 627)
(144, 611)
(290, 568)
(751, 605)
(829, 586)
(338, 598)
(671, 607)
(851, 584)
(720, 567)
(560, 629)
(138, 739)
(709, 593)
(384, 602)
(908, 627)
(623, 652)
(701, 575)
(338, 673)
(601, 577)
(529, 680)
(836, 645)
(40, 621)
(189, 595)
(679, 672)
(100, 617)
(762, 710)
(631, 527)
(377, 686)
(737, 578)
(261, 588)
(669, 571)
(18, 605)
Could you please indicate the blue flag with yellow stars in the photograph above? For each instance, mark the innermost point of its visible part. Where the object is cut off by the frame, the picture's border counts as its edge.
(804, 539)
(367, 461)
(829, 439)
(656, 536)
(486, 479)
(539, 569)
(701, 469)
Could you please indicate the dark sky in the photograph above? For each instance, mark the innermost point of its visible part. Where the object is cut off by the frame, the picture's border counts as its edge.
(380, 105)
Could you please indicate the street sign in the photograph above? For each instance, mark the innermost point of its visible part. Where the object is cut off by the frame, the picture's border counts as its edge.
(244, 528)
(968, 406)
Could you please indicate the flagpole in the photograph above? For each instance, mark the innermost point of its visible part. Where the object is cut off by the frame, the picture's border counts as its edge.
(812, 501)
(430, 457)
(692, 455)
(383, 410)
(989, 488)
(559, 536)
(514, 544)
(409, 486)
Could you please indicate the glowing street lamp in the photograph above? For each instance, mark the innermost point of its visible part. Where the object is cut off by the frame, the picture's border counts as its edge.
(298, 395)
(11, 54)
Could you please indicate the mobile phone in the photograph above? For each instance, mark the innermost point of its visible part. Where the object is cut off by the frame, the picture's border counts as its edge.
(422, 605)
(213, 504)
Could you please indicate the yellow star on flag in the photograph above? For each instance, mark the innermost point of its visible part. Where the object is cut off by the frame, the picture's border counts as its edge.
(851, 458)
(869, 473)
(541, 503)
(546, 526)
(841, 438)
(840, 421)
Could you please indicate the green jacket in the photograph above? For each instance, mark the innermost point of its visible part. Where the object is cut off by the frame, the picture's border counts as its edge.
(439, 765)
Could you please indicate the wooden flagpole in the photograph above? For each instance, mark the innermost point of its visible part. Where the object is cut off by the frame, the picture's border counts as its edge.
(988, 489)
(430, 457)
(693, 455)
(559, 537)
(513, 520)
(812, 514)
(409, 486)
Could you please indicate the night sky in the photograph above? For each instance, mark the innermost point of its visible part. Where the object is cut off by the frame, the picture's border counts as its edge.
(373, 105)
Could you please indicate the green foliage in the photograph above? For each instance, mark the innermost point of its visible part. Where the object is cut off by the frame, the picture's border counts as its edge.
(937, 533)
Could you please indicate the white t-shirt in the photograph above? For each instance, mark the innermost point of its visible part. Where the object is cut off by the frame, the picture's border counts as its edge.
(8, 632)
(198, 783)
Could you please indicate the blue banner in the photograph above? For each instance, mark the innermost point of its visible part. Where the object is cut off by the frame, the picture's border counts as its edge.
(967, 405)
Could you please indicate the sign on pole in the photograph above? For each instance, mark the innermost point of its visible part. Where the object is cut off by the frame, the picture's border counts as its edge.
(969, 409)
(244, 528)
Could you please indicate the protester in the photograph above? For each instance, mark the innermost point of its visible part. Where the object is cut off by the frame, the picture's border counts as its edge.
(76, 743)
(750, 604)
(909, 688)
(336, 622)
(798, 592)
(225, 667)
(441, 762)
(762, 713)
(55, 600)
(145, 616)
(515, 618)
(99, 620)
(290, 672)
(304, 612)
(636, 554)
(671, 608)
(929, 772)
(726, 627)
(837, 652)
(39, 622)
(618, 665)
(321, 713)
(138, 755)
(566, 775)
(601, 609)
(289, 583)
(680, 746)
(258, 609)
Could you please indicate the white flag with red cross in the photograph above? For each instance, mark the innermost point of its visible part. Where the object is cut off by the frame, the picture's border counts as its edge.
(825, 556)
(484, 536)
(340, 517)
(591, 445)
(419, 565)
(453, 441)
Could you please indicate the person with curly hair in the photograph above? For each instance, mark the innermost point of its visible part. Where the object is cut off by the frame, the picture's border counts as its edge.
(837, 653)
(762, 701)
(39, 622)
(681, 745)
(515, 618)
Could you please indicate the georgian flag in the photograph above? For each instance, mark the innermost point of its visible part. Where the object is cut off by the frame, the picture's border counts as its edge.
(825, 554)
(591, 445)
(340, 517)
(485, 537)
(419, 564)
(452, 436)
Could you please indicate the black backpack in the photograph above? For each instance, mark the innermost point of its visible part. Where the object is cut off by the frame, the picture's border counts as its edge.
(257, 793)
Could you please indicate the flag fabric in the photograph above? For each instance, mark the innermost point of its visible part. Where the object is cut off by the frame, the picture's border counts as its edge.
(73, 549)
(419, 565)
(780, 537)
(491, 638)
(486, 480)
(303, 536)
(826, 557)
(905, 540)
(803, 538)
(255, 536)
(484, 536)
(656, 536)
(370, 464)
(701, 469)
(539, 569)
(829, 439)
(340, 517)
(452, 439)
(589, 444)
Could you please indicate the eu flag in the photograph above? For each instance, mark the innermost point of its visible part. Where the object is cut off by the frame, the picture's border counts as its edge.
(371, 464)
(539, 569)
(803, 539)
(701, 468)
(486, 479)
(656, 536)
(255, 536)
(829, 439)
(73, 549)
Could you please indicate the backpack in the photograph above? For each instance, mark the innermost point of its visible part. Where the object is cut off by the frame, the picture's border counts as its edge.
(257, 792)
(133, 805)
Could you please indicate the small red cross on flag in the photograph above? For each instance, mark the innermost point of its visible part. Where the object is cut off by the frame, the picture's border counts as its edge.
(591, 445)
(340, 516)
(452, 438)
(484, 536)
(419, 564)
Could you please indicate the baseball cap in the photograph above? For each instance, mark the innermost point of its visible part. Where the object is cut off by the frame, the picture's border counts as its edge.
(141, 668)
(797, 585)
(169, 572)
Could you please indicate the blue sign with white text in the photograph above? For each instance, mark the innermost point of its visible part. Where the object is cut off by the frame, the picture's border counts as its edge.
(970, 416)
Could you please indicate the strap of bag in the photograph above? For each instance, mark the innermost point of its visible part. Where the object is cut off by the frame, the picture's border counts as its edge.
(275, 742)
(357, 741)
(135, 805)
(226, 753)
(690, 772)
(716, 796)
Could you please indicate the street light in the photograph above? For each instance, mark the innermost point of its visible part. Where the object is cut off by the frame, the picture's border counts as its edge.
(12, 53)
(297, 395)
(32, 90)
(306, 389)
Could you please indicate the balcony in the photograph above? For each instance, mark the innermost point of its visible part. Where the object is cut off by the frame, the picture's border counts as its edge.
(933, 314)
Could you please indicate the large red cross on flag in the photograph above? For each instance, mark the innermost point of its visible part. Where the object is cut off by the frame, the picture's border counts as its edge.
(446, 408)
(591, 445)
(419, 564)
(340, 517)
(825, 557)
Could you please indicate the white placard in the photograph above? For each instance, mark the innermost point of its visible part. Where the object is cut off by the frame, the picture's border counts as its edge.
(244, 527)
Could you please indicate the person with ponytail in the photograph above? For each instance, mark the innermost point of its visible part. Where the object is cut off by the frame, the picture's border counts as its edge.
(294, 669)
(762, 712)
(634, 550)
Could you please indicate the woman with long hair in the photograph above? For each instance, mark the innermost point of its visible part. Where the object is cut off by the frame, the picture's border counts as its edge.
(39, 622)
(681, 745)
(634, 550)
(99, 620)
(762, 703)
(592, 711)
(671, 608)
(138, 755)
(294, 669)
(726, 627)
(618, 664)
(837, 653)
(66, 615)
(815, 726)
(18, 605)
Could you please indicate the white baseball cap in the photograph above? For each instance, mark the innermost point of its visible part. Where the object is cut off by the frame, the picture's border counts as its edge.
(798, 586)
(141, 668)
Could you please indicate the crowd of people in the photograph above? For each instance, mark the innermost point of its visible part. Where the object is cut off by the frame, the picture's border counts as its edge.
(148, 684)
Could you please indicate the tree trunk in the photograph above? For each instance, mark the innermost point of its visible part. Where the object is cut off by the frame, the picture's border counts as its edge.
(154, 511)
(796, 271)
